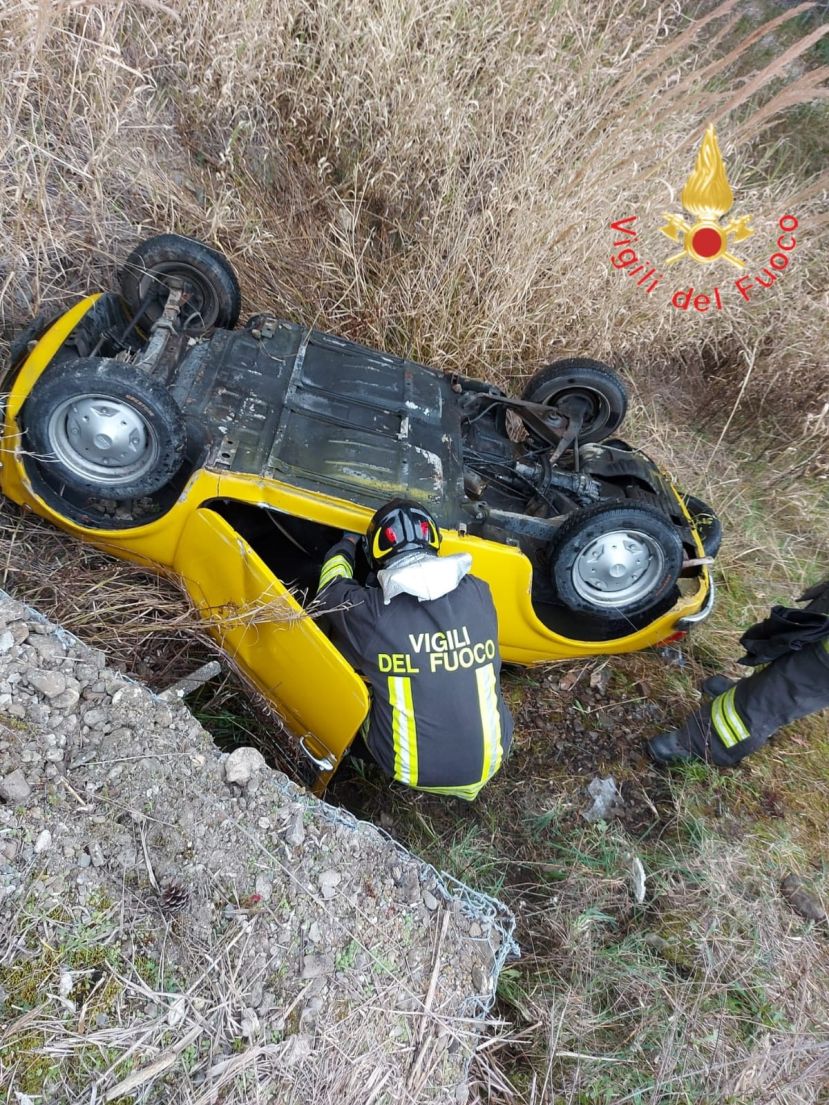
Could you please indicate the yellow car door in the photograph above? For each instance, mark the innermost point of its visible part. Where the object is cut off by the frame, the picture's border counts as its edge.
(267, 634)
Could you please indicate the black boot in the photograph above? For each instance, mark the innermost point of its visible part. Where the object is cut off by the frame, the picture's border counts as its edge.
(716, 685)
(667, 749)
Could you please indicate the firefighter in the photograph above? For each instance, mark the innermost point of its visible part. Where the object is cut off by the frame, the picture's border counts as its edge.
(425, 638)
(789, 651)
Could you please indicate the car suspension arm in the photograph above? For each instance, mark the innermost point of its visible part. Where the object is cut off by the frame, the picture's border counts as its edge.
(537, 417)
(527, 525)
(162, 329)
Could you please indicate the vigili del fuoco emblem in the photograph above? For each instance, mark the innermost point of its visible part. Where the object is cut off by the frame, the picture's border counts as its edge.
(708, 196)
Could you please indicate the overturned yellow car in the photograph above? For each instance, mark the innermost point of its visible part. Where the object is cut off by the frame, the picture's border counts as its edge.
(149, 424)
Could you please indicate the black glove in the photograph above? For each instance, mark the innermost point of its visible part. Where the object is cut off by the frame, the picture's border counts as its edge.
(346, 546)
(784, 630)
(817, 597)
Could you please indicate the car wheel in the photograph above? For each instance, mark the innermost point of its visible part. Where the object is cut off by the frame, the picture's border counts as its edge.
(586, 386)
(615, 560)
(208, 279)
(707, 523)
(104, 428)
(22, 345)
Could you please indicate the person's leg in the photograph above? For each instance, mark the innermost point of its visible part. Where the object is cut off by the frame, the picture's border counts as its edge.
(741, 720)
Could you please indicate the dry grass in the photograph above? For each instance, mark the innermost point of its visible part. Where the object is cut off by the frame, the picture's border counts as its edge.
(138, 619)
(712, 991)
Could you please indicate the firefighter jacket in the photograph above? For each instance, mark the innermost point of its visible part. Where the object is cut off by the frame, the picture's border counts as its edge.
(437, 721)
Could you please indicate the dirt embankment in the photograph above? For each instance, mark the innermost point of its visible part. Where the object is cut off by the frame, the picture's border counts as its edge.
(180, 925)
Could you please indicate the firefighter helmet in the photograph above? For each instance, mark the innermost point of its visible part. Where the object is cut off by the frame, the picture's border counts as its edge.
(400, 526)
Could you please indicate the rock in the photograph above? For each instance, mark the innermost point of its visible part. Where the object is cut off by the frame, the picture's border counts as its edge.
(241, 764)
(475, 931)
(310, 1012)
(600, 678)
(139, 797)
(128, 697)
(264, 887)
(295, 833)
(480, 979)
(19, 630)
(66, 700)
(118, 738)
(655, 941)
(296, 1050)
(801, 901)
(6, 640)
(257, 989)
(607, 801)
(430, 901)
(410, 885)
(176, 1012)
(315, 966)
(250, 1024)
(96, 717)
(49, 683)
(47, 647)
(14, 788)
(329, 881)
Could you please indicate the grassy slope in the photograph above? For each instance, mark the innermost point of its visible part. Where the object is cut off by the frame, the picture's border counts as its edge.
(440, 180)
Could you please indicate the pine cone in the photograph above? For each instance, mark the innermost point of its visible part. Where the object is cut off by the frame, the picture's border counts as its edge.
(174, 898)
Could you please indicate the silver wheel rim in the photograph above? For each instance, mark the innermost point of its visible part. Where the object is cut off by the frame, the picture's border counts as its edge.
(103, 440)
(618, 569)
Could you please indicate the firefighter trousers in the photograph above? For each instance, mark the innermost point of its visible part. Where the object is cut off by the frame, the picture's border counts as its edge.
(740, 721)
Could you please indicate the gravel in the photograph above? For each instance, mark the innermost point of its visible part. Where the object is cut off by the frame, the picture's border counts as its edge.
(304, 932)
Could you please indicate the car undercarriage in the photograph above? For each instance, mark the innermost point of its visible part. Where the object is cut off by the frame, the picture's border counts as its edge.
(608, 536)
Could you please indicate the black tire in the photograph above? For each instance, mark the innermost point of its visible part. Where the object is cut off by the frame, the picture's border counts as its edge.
(615, 560)
(581, 378)
(707, 524)
(208, 278)
(34, 331)
(73, 417)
